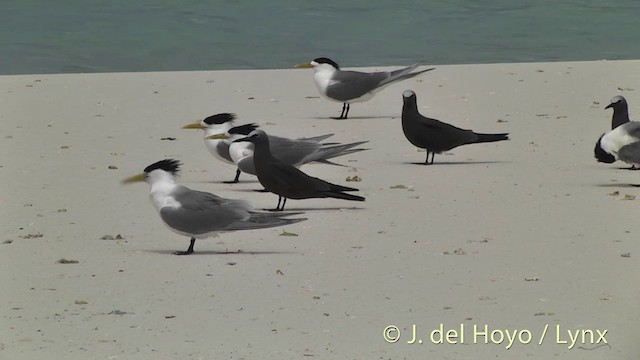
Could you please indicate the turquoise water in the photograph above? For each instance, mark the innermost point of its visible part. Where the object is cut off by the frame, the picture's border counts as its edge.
(64, 36)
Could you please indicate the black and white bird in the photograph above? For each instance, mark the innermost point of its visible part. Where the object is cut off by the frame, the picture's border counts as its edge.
(199, 214)
(295, 152)
(350, 87)
(623, 141)
(436, 136)
(219, 133)
(287, 181)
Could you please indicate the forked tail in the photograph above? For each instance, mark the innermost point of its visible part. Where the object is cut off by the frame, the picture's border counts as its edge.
(344, 196)
(482, 138)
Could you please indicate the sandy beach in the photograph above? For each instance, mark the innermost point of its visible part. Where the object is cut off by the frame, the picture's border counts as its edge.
(521, 236)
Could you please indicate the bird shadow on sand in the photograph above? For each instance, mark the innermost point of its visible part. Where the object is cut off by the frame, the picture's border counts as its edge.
(254, 190)
(297, 209)
(444, 163)
(220, 252)
(618, 185)
(226, 182)
(352, 118)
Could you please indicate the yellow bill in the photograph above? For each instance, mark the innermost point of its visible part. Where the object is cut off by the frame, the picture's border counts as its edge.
(135, 178)
(218, 137)
(304, 66)
(195, 125)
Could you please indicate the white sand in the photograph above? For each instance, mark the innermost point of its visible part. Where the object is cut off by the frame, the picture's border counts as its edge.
(542, 236)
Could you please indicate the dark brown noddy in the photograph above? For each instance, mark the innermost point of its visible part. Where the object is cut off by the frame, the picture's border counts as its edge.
(287, 181)
(434, 135)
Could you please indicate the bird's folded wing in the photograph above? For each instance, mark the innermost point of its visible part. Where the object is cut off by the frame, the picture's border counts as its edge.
(630, 153)
(347, 85)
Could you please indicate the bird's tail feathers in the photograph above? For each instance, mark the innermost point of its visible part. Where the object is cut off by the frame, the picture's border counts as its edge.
(260, 220)
(328, 152)
(344, 196)
(482, 138)
(405, 73)
(340, 188)
(317, 138)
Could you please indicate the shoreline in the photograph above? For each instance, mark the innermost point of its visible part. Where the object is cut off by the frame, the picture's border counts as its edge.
(355, 67)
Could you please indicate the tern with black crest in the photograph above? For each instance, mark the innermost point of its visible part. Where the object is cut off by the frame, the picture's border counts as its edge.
(219, 133)
(350, 87)
(199, 214)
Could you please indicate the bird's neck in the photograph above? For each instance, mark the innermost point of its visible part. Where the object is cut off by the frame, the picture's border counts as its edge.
(619, 117)
(160, 193)
(262, 154)
(322, 78)
(407, 109)
(218, 129)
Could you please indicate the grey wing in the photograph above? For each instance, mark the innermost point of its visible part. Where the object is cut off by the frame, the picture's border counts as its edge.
(630, 153)
(316, 138)
(260, 220)
(201, 212)
(223, 150)
(633, 129)
(246, 165)
(347, 85)
(292, 151)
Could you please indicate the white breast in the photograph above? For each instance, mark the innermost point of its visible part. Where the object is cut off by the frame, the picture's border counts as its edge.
(615, 139)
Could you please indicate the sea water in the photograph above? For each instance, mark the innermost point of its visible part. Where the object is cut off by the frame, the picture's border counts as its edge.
(65, 36)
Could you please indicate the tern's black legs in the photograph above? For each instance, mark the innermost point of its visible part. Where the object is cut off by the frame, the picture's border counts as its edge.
(344, 113)
(278, 208)
(236, 179)
(426, 161)
(189, 250)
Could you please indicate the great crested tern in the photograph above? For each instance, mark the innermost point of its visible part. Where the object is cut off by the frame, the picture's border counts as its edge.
(219, 131)
(287, 181)
(199, 214)
(295, 152)
(434, 135)
(353, 86)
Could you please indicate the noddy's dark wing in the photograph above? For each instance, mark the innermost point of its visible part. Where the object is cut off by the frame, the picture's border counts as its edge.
(440, 135)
